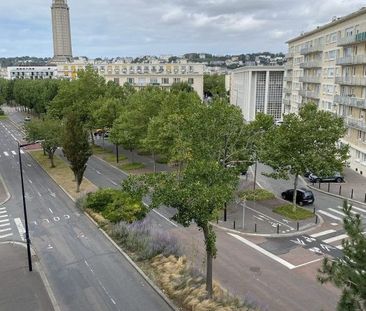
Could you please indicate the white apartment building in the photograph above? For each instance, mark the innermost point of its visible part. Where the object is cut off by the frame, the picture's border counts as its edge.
(141, 74)
(31, 72)
(257, 89)
(328, 66)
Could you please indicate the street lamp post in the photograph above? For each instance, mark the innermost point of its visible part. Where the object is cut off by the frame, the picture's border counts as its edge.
(24, 207)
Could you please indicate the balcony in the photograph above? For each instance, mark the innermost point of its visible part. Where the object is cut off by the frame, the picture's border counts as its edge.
(358, 124)
(309, 94)
(312, 49)
(350, 101)
(289, 55)
(360, 37)
(351, 60)
(351, 81)
(311, 64)
(310, 79)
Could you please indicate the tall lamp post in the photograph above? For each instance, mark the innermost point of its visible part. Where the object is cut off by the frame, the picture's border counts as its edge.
(24, 206)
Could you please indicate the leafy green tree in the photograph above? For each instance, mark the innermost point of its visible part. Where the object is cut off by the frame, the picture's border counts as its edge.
(49, 132)
(308, 141)
(178, 87)
(76, 146)
(214, 85)
(197, 195)
(348, 272)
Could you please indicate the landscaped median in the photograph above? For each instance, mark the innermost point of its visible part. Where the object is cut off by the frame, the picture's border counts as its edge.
(157, 252)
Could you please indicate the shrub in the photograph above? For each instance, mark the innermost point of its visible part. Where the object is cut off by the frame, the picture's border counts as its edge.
(2, 112)
(99, 200)
(256, 195)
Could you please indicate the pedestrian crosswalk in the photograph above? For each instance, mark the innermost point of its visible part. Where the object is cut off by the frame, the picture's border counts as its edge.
(5, 227)
(336, 212)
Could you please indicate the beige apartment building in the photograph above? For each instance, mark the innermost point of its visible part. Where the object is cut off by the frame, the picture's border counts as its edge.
(328, 66)
(141, 74)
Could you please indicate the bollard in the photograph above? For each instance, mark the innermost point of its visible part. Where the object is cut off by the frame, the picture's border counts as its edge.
(278, 228)
(365, 197)
(340, 190)
(352, 193)
(319, 184)
(314, 210)
(316, 219)
(255, 227)
(225, 213)
(297, 226)
(234, 224)
(328, 187)
(217, 220)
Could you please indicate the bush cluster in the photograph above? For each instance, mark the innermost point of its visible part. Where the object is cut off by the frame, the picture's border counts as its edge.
(2, 112)
(145, 240)
(115, 205)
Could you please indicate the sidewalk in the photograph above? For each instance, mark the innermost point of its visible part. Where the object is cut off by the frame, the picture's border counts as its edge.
(20, 289)
(353, 188)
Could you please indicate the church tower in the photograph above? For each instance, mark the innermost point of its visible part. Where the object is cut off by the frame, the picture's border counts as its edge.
(61, 32)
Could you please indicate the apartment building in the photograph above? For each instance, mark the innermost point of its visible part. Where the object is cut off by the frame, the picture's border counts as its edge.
(31, 72)
(257, 89)
(328, 66)
(141, 74)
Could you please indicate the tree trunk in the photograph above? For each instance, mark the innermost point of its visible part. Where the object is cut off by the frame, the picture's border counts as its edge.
(131, 150)
(154, 158)
(51, 159)
(77, 187)
(117, 155)
(255, 174)
(92, 137)
(295, 192)
(209, 236)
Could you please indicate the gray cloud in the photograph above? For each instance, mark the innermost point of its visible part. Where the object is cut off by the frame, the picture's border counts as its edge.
(139, 27)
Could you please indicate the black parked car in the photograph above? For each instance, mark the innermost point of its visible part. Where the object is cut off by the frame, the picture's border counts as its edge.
(303, 196)
(336, 177)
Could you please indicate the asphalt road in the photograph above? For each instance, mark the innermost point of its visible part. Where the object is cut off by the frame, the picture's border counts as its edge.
(84, 269)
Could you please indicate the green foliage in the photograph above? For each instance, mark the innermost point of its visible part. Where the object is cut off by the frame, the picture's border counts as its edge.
(132, 166)
(256, 195)
(214, 85)
(76, 147)
(2, 113)
(348, 272)
(176, 88)
(116, 205)
(295, 214)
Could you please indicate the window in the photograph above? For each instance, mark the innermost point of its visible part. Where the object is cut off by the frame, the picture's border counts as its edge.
(190, 81)
(349, 32)
(116, 80)
(165, 80)
(176, 80)
(130, 80)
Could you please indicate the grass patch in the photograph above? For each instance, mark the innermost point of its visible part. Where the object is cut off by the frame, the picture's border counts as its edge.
(62, 174)
(132, 166)
(107, 155)
(143, 152)
(162, 160)
(288, 211)
(256, 195)
(3, 117)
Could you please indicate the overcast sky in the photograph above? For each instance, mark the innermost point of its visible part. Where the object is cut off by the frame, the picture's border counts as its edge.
(110, 28)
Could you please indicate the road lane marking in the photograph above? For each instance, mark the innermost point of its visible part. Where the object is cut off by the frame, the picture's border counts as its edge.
(21, 151)
(50, 210)
(20, 228)
(31, 182)
(2, 216)
(2, 208)
(4, 225)
(336, 238)
(339, 247)
(330, 215)
(2, 212)
(318, 234)
(263, 251)
(13, 152)
(358, 209)
(337, 212)
(4, 230)
(161, 215)
(5, 235)
(4, 220)
(7, 154)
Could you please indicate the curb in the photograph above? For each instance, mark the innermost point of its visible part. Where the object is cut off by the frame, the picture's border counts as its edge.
(38, 268)
(273, 235)
(134, 265)
(116, 168)
(336, 195)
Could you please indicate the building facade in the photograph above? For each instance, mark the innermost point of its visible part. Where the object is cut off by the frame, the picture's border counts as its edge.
(32, 72)
(257, 89)
(328, 66)
(61, 31)
(141, 74)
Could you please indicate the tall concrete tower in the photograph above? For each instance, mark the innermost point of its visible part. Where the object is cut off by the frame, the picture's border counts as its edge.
(61, 32)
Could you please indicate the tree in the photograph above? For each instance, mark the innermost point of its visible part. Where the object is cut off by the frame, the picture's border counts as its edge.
(348, 272)
(308, 141)
(49, 132)
(214, 85)
(197, 195)
(76, 147)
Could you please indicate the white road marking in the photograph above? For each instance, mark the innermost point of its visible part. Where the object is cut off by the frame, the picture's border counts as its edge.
(49, 246)
(2, 212)
(4, 220)
(315, 235)
(5, 235)
(358, 209)
(39, 193)
(2, 216)
(335, 238)
(31, 182)
(2, 208)
(21, 151)
(20, 228)
(4, 225)
(99, 173)
(7, 154)
(337, 212)
(167, 219)
(334, 224)
(339, 247)
(50, 210)
(259, 218)
(13, 137)
(13, 152)
(4, 230)
(330, 215)
(265, 216)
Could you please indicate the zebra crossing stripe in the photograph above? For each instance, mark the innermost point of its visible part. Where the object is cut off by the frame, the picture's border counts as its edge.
(353, 212)
(13, 152)
(2, 212)
(339, 246)
(358, 209)
(337, 212)
(318, 234)
(4, 230)
(330, 215)
(4, 220)
(7, 154)
(2, 216)
(5, 235)
(335, 238)
(4, 225)
(2, 208)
